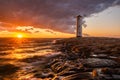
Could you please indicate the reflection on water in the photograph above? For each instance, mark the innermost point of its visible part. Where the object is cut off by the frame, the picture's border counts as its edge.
(20, 55)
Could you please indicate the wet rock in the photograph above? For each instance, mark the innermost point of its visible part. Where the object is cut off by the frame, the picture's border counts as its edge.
(111, 71)
(72, 56)
(117, 59)
(96, 63)
(44, 75)
(33, 59)
(94, 73)
(58, 67)
(78, 76)
(1, 78)
(8, 69)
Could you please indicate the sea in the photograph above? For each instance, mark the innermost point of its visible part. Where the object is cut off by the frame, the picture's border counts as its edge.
(19, 57)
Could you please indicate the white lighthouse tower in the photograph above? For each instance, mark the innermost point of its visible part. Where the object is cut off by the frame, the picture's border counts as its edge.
(79, 26)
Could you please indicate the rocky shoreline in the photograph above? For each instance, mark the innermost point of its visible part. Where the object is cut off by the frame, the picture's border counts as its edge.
(76, 59)
(87, 59)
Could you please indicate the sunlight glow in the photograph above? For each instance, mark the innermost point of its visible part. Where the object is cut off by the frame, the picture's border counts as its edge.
(20, 36)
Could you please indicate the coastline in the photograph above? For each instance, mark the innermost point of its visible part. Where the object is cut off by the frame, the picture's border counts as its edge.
(72, 59)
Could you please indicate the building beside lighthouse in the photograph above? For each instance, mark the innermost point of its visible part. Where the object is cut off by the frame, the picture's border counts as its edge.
(79, 26)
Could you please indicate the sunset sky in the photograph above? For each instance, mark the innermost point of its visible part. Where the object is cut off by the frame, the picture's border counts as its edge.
(57, 18)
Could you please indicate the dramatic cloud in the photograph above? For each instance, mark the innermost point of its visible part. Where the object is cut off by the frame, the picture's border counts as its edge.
(57, 15)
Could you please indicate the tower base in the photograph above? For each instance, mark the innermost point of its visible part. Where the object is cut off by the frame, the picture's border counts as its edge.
(78, 36)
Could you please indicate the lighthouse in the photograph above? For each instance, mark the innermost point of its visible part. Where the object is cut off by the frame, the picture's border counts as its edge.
(79, 26)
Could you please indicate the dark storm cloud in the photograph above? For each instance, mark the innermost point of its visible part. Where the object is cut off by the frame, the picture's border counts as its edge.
(58, 15)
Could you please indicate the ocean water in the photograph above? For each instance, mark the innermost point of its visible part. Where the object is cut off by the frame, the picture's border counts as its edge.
(19, 57)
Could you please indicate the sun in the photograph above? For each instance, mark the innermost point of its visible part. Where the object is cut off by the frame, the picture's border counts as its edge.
(20, 36)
